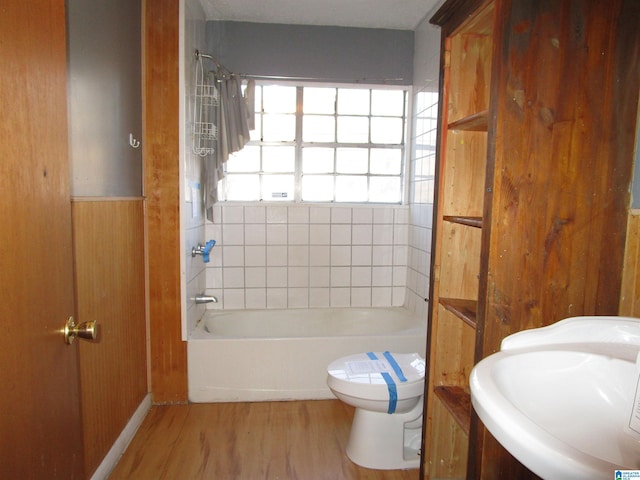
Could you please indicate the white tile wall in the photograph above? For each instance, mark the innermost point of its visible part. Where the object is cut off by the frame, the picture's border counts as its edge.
(192, 215)
(308, 256)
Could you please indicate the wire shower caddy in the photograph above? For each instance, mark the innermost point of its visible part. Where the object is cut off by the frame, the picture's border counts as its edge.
(206, 98)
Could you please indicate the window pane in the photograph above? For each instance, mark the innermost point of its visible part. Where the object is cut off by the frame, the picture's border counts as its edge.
(353, 129)
(387, 102)
(256, 133)
(242, 187)
(278, 187)
(246, 160)
(279, 99)
(317, 160)
(317, 188)
(278, 159)
(319, 100)
(353, 101)
(350, 148)
(386, 161)
(352, 160)
(384, 189)
(318, 128)
(279, 128)
(351, 188)
(386, 130)
(258, 95)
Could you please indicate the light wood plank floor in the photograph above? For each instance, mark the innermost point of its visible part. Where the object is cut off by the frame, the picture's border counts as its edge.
(248, 441)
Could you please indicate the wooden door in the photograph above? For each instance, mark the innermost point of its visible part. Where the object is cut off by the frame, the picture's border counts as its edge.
(40, 426)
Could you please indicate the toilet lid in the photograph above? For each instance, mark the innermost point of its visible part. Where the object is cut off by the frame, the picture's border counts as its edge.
(367, 368)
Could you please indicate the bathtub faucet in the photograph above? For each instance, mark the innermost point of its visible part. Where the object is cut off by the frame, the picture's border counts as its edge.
(205, 250)
(202, 298)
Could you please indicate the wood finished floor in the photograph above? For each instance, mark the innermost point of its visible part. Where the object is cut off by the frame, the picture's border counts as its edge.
(247, 441)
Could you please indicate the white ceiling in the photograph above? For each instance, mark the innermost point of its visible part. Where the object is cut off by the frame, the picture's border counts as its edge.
(393, 14)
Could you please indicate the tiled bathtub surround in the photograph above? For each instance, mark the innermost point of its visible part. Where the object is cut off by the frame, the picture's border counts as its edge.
(302, 256)
(279, 256)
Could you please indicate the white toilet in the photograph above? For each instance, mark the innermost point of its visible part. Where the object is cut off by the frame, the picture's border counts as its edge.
(386, 389)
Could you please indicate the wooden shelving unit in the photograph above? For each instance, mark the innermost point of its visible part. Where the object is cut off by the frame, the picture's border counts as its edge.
(459, 220)
(532, 193)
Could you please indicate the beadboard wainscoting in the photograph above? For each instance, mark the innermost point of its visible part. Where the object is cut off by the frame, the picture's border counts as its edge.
(108, 246)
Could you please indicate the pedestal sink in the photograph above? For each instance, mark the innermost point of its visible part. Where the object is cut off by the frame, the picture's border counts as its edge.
(564, 399)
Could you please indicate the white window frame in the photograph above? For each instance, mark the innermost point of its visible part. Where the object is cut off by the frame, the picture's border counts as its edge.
(299, 144)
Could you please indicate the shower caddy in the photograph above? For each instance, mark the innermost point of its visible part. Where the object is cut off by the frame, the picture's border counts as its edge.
(204, 130)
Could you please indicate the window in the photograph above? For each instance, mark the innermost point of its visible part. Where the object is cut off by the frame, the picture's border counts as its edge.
(322, 144)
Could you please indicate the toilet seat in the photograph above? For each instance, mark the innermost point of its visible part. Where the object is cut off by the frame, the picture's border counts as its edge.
(361, 375)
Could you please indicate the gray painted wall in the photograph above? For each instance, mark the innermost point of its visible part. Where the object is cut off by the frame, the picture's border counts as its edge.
(105, 99)
(332, 54)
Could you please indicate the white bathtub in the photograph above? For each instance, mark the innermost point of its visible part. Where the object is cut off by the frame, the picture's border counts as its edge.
(260, 355)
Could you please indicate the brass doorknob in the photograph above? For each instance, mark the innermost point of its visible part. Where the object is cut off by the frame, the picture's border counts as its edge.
(87, 330)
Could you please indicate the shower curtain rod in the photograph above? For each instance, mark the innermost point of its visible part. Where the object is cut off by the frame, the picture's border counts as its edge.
(219, 66)
(321, 79)
(226, 72)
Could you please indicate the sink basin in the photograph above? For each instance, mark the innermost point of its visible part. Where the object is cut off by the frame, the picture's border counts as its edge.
(562, 398)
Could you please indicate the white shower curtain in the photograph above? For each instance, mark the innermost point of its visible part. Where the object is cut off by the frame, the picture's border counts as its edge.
(234, 120)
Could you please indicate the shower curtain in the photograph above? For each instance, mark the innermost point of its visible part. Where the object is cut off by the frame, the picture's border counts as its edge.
(234, 120)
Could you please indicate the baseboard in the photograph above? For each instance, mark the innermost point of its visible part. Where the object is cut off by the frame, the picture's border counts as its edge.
(122, 442)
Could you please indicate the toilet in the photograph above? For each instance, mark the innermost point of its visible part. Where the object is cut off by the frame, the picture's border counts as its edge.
(386, 390)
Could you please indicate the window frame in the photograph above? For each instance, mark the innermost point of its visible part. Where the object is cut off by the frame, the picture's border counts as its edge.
(299, 144)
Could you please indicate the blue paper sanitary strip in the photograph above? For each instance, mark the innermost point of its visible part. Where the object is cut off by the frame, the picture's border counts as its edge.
(391, 385)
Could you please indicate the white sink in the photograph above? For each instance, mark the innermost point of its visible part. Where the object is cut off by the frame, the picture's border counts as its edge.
(562, 399)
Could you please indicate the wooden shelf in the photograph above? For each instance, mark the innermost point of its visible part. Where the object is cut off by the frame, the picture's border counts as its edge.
(471, 221)
(458, 402)
(463, 309)
(457, 258)
(478, 122)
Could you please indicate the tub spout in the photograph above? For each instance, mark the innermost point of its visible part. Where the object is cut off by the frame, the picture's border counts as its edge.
(202, 298)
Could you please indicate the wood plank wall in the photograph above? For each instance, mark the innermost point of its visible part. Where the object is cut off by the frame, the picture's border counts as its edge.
(630, 298)
(559, 243)
(168, 353)
(108, 238)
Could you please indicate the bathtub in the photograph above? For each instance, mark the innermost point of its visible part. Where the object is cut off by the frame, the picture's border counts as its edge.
(263, 355)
